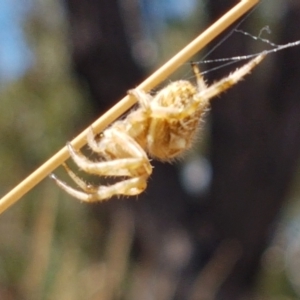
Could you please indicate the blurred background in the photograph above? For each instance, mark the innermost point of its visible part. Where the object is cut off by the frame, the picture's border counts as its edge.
(223, 223)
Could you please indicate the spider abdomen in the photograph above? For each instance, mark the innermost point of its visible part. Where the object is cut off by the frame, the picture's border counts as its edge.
(168, 137)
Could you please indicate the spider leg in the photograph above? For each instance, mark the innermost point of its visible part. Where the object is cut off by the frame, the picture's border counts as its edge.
(129, 158)
(118, 167)
(142, 97)
(129, 187)
(232, 79)
(200, 80)
(115, 143)
(224, 84)
(201, 100)
(92, 142)
(80, 182)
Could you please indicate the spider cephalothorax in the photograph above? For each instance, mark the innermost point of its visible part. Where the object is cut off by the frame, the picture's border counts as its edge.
(162, 126)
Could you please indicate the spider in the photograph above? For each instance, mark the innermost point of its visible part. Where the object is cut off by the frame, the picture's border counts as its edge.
(162, 126)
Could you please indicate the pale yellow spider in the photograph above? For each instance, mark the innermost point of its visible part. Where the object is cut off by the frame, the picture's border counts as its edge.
(163, 126)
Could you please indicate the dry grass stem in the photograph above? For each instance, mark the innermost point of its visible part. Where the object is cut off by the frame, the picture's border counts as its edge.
(217, 270)
(161, 74)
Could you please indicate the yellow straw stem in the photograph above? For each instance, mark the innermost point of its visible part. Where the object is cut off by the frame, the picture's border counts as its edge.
(100, 124)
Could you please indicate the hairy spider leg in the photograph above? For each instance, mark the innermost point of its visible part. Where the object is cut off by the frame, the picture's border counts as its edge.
(142, 97)
(232, 79)
(80, 182)
(129, 187)
(134, 161)
(203, 97)
(200, 80)
(137, 167)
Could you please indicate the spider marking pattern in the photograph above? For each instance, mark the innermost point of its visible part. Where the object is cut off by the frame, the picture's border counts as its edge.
(162, 126)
